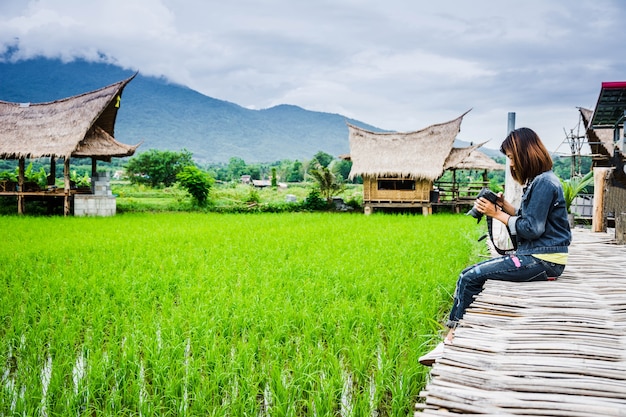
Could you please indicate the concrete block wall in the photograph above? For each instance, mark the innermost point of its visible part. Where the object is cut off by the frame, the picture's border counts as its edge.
(94, 205)
(101, 202)
(101, 184)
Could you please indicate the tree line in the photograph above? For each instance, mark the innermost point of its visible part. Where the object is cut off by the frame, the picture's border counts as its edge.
(157, 168)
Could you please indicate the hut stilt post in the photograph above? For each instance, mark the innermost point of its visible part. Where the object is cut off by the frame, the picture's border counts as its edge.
(66, 177)
(53, 169)
(20, 184)
(51, 181)
(94, 173)
(455, 193)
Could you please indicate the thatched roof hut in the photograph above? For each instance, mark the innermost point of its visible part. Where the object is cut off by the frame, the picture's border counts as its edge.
(78, 126)
(418, 155)
(470, 158)
(399, 169)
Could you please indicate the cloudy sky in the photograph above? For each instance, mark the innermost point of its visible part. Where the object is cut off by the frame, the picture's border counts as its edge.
(396, 64)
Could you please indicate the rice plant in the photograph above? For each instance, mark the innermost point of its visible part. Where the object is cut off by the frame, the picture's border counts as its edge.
(181, 314)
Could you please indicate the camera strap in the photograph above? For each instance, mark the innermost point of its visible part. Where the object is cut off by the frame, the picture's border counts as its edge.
(512, 237)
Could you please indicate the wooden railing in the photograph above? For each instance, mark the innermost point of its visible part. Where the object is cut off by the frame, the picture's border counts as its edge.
(455, 192)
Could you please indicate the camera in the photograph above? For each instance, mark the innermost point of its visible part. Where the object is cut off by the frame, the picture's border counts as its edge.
(489, 195)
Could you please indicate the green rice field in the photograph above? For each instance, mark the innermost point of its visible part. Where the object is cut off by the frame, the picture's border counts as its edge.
(189, 314)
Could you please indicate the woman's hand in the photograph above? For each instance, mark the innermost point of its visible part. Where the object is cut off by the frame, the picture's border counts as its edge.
(486, 207)
(504, 205)
(500, 201)
(495, 210)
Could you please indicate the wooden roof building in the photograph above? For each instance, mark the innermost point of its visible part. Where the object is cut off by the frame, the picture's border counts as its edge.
(604, 128)
(80, 126)
(600, 140)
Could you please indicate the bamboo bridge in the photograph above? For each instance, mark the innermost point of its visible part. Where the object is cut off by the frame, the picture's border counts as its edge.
(555, 348)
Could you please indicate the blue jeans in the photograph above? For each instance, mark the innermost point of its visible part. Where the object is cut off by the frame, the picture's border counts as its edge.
(514, 268)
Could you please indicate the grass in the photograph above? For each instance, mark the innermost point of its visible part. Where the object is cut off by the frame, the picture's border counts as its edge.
(291, 314)
(227, 197)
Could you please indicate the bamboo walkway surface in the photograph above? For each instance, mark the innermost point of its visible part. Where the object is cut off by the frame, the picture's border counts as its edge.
(555, 348)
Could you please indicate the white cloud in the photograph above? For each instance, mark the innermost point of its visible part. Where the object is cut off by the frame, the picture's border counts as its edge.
(398, 64)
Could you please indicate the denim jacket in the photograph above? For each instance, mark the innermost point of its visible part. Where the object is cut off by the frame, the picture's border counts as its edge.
(541, 223)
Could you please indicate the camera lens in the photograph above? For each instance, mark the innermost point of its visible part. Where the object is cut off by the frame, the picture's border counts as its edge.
(475, 214)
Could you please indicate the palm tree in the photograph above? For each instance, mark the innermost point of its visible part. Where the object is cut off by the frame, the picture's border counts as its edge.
(327, 182)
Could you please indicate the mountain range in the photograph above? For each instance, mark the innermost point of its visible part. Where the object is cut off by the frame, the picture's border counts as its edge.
(168, 116)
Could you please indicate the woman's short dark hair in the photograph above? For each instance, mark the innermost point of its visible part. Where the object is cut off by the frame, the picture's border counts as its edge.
(530, 156)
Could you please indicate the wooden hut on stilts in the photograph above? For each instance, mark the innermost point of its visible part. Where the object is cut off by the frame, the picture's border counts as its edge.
(81, 126)
(399, 170)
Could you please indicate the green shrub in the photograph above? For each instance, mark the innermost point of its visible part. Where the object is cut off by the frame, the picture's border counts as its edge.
(253, 196)
(314, 201)
(8, 176)
(197, 182)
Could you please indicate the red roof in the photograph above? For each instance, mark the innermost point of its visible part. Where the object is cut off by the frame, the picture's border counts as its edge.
(614, 84)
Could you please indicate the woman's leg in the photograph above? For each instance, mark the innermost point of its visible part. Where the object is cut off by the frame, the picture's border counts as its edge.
(522, 268)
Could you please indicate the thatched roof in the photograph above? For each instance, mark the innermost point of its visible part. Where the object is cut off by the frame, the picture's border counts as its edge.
(471, 158)
(600, 140)
(418, 155)
(78, 126)
(458, 155)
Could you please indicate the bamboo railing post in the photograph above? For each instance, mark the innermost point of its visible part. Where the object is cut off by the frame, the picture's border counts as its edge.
(620, 228)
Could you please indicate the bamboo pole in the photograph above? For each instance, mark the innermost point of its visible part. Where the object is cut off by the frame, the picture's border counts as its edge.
(620, 228)
(512, 193)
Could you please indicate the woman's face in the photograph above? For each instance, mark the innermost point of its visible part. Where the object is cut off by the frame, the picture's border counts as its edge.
(511, 162)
